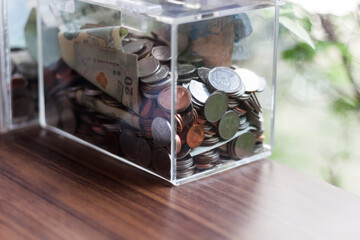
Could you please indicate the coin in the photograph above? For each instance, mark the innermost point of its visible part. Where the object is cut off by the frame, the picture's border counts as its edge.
(198, 91)
(178, 144)
(203, 74)
(225, 79)
(161, 131)
(249, 78)
(185, 69)
(142, 153)
(162, 53)
(157, 76)
(127, 141)
(262, 83)
(183, 99)
(134, 46)
(186, 173)
(161, 161)
(148, 45)
(18, 81)
(195, 136)
(244, 145)
(215, 106)
(193, 59)
(148, 66)
(146, 108)
(228, 125)
(184, 152)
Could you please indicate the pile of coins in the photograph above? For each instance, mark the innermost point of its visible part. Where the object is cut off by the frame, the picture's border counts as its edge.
(24, 86)
(212, 106)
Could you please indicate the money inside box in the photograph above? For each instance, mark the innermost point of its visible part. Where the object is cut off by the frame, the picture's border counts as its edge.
(181, 89)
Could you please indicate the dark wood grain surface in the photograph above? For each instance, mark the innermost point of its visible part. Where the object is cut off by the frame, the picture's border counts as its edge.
(53, 188)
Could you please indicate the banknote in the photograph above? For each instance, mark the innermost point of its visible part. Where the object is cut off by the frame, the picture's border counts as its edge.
(113, 112)
(97, 55)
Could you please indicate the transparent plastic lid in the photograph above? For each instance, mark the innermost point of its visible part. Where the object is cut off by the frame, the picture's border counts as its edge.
(175, 11)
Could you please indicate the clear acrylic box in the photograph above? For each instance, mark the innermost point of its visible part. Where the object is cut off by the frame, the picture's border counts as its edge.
(180, 89)
(18, 64)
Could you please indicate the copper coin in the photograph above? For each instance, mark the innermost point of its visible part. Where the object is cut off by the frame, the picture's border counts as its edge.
(146, 108)
(98, 129)
(179, 123)
(143, 152)
(127, 142)
(183, 99)
(195, 136)
(161, 161)
(17, 80)
(178, 144)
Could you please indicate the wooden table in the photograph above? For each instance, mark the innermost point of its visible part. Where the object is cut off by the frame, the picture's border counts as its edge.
(53, 188)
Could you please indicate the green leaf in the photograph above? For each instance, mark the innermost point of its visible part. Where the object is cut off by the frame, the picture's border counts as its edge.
(345, 104)
(300, 52)
(296, 29)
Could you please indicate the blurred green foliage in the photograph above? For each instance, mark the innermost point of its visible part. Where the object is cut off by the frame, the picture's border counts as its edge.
(325, 48)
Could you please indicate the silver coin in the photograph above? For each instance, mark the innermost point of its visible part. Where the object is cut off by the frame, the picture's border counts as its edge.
(162, 53)
(244, 145)
(225, 79)
(255, 102)
(134, 47)
(185, 79)
(199, 91)
(185, 69)
(215, 106)
(263, 84)
(228, 125)
(161, 131)
(250, 79)
(185, 165)
(146, 50)
(156, 87)
(148, 66)
(185, 173)
(157, 76)
(203, 74)
(244, 125)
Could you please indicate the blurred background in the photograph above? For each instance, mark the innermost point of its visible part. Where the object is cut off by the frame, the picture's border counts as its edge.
(318, 99)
